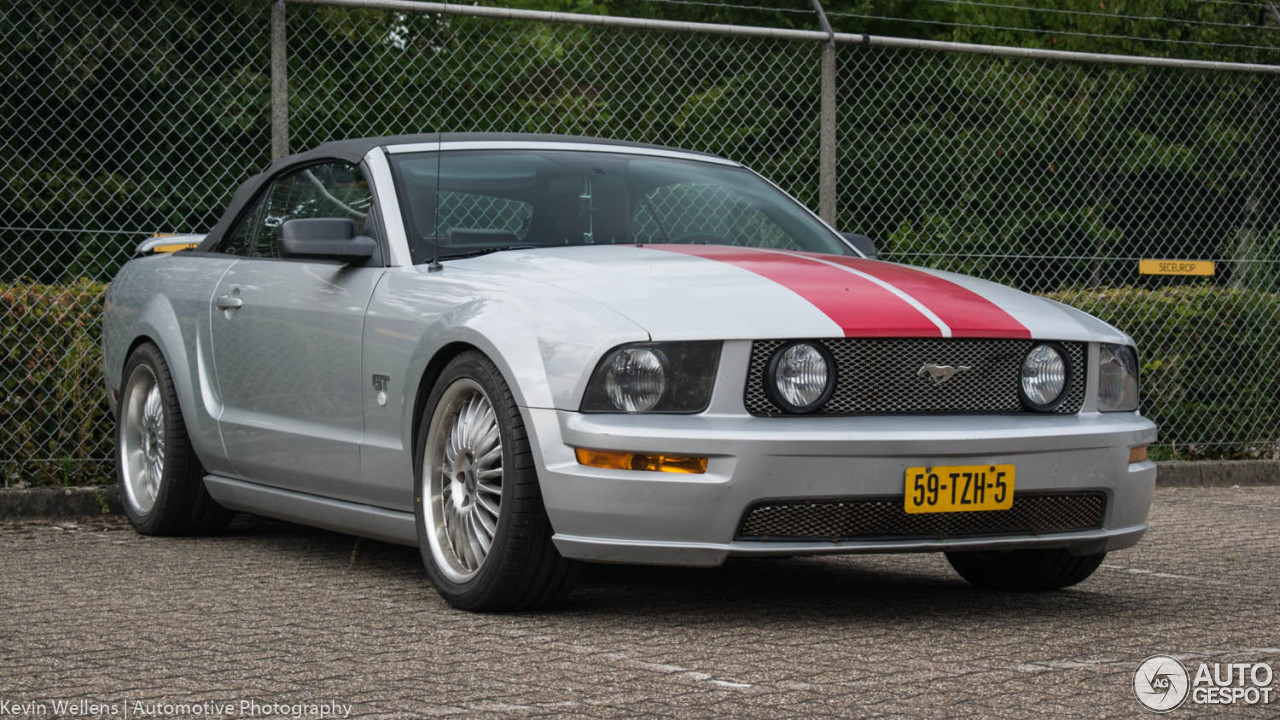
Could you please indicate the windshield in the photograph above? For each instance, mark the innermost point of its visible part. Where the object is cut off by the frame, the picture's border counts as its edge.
(475, 201)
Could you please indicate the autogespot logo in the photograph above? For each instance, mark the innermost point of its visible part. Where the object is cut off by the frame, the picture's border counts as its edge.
(1161, 683)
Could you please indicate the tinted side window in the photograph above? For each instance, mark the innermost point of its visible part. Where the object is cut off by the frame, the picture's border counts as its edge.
(330, 190)
(239, 239)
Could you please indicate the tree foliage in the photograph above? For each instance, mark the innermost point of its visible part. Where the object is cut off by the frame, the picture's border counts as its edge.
(121, 118)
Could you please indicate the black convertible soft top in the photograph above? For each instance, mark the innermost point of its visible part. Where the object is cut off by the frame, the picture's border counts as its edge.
(354, 150)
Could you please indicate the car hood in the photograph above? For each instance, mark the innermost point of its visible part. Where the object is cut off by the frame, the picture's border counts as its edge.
(678, 292)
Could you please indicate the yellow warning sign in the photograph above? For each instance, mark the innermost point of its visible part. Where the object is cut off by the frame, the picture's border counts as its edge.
(1175, 267)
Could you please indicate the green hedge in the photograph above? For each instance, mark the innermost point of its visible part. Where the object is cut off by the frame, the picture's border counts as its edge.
(1220, 398)
(55, 427)
(1208, 357)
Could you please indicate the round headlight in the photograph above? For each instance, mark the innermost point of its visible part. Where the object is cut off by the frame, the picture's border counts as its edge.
(801, 377)
(1044, 377)
(635, 379)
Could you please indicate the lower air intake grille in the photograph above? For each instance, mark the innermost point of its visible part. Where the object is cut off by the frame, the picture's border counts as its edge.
(884, 519)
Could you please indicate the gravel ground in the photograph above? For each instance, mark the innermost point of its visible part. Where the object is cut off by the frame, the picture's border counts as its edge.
(282, 615)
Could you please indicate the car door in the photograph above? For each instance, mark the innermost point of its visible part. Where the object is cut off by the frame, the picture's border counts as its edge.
(287, 336)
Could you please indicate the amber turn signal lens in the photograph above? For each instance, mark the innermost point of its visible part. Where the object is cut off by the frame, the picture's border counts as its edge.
(1137, 454)
(172, 247)
(653, 462)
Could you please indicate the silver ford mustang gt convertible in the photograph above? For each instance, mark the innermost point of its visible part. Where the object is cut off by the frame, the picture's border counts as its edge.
(521, 352)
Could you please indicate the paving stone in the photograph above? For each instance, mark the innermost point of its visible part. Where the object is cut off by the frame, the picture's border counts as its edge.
(280, 614)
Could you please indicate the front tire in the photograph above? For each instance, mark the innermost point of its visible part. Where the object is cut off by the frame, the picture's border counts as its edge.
(1024, 570)
(483, 532)
(161, 480)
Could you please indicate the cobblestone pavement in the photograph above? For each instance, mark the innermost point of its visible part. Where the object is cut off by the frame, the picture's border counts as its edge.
(281, 614)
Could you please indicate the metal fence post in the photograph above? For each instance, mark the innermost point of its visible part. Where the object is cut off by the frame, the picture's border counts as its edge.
(827, 138)
(279, 84)
(827, 124)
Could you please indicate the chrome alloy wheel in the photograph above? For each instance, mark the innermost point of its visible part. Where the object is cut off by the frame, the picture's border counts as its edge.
(462, 470)
(142, 440)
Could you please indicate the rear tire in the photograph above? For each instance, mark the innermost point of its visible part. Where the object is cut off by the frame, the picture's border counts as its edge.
(161, 479)
(483, 531)
(1024, 570)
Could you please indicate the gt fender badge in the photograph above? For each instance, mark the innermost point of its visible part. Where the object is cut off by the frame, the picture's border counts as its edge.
(942, 373)
(380, 383)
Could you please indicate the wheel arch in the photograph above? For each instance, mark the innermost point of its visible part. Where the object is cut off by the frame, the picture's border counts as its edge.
(115, 385)
(511, 346)
(427, 383)
(139, 341)
(158, 324)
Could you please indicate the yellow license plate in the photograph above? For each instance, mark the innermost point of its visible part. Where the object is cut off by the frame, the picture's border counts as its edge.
(959, 488)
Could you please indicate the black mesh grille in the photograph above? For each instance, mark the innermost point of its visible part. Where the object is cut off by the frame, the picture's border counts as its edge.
(883, 376)
(885, 518)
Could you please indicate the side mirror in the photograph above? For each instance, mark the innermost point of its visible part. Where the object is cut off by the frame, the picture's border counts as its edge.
(325, 239)
(864, 244)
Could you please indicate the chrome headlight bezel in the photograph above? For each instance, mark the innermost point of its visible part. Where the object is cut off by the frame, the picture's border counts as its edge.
(688, 368)
(1121, 359)
(1067, 378)
(771, 378)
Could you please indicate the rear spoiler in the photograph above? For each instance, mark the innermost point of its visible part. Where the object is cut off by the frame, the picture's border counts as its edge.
(162, 243)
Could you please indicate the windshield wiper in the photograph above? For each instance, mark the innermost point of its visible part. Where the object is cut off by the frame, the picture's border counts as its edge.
(476, 252)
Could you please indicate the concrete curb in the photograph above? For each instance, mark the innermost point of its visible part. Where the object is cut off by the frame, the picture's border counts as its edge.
(47, 502)
(44, 502)
(1218, 473)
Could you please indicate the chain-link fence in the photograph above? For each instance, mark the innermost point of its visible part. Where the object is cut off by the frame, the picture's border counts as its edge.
(1056, 177)
(119, 120)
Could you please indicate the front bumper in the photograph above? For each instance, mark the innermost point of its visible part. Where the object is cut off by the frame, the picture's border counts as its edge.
(667, 519)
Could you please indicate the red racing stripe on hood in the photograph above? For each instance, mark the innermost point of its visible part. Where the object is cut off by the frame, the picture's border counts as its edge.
(859, 306)
(967, 313)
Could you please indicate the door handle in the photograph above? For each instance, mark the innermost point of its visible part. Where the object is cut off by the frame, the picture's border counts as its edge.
(228, 302)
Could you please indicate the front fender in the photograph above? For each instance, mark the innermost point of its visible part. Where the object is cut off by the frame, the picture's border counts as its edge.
(543, 340)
